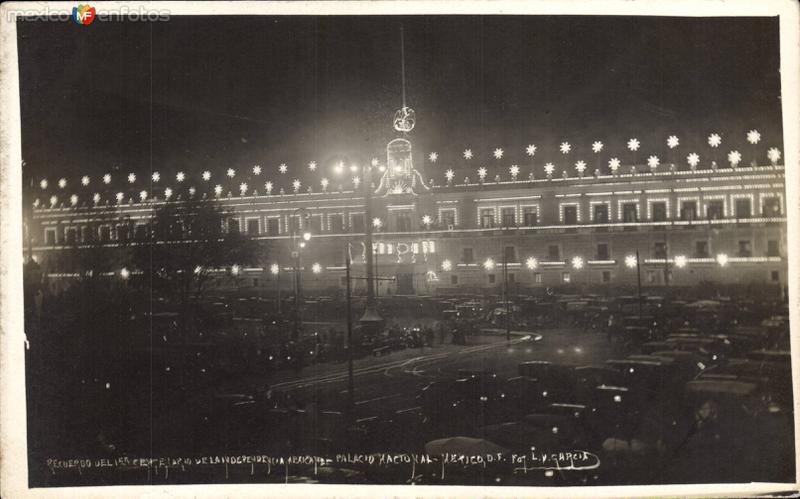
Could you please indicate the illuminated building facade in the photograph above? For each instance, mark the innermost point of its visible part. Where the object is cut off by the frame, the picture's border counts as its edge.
(722, 224)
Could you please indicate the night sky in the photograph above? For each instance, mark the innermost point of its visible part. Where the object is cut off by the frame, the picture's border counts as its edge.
(198, 93)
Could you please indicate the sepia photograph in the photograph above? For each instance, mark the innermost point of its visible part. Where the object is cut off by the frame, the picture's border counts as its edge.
(413, 249)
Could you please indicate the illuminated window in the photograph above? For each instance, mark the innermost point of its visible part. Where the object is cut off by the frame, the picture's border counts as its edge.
(743, 209)
(72, 235)
(630, 212)
(715, 210)
(50, 237)
(357, 224)
(602, 251)
(772, 207)
(701, 249)
(337, 223)
(487, 218)
(689, 210)
(273, 226)
(508, 217)
(601, 213)
(565, 277)
(659, 211)
(659, 250)
(448, 218)
(510, 253)
(772, 248)
(529, 216)
(467, 255)
(745, 248)
(252, 226)
(570, 215)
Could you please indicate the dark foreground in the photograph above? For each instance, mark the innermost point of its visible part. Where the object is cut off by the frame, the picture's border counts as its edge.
(583, 391)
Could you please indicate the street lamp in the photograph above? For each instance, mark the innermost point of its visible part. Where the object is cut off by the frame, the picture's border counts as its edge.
(275, 269)
(371, 315)
(296, 247)
(632, 261)
(124, 273)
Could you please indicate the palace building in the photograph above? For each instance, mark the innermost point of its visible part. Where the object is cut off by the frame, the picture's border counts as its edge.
(687, 225)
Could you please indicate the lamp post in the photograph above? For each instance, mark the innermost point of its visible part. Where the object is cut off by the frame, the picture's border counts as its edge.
(639, 281)
(371, 316)
(296, 247)
(349, 346)
(275, 269)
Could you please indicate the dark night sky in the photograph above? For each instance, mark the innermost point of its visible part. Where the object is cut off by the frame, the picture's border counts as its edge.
(217, 92)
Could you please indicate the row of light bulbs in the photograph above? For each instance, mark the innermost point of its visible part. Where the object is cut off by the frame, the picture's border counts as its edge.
(578, 262)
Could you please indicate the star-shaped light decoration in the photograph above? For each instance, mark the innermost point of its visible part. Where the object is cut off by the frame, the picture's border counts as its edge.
(577, 262)
(96, 198)
(73, 200)
(597, 146)
(217, 189)
(356, 182)
(324, 182)
(753, 137)
(155, 177)
(427, 220)
(131, 178)
(580, 166)
(672, 141)
(531, 263)
(633, 144)
(630, 261)
(481, 173)
(206, 175)
(447, 265)
(312, 165)
(243, 188)
(449, 174)
(565, 148)
(120, 196)
(167, 193)
(549, 168)
(530, 150)
(107, 178)
(268, 187)
(62, 182)
(377, 223)
(514, 170)
(614, 164)
(714, 140)
(283, 168)
(231, 172)
(734, 158)
(467, 153)
(36, 203)
(774, 154)
(85, 180)
(498, 153)
(53, 200)
(432, 157)
(192, 191)
(257, 170)
(43, 183)
(143, 195)
(693, 159)
(653, 162)
(180, 176)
